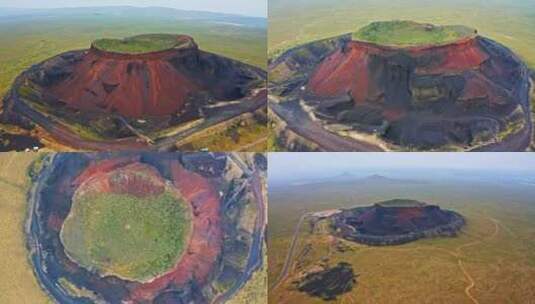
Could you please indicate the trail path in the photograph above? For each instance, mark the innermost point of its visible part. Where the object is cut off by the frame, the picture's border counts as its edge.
(300, 123)
(471, 282)
(254, 143)
(289, 256)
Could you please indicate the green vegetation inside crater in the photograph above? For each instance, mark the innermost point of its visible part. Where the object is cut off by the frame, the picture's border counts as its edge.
(131, 237)
(401, 203)
(409, 33)
(139, 44)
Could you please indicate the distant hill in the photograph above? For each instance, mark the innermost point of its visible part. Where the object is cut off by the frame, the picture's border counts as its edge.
(376, 178)
(10, 14)
(348, 177)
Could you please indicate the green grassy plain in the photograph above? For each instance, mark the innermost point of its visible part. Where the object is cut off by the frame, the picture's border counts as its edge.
(134, 238)
(292, 23)
(409, 33)
(491, 261)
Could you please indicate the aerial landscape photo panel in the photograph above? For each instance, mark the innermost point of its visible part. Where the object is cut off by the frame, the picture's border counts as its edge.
(401, 75)
(133, 75)
(132, 227)
(401, 228)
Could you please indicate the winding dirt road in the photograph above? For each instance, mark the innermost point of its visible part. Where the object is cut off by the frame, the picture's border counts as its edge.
(471, 282)
(289, 256)
(299, 122)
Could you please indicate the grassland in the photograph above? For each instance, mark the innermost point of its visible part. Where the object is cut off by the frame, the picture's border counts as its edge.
(251, 136)
(293, 23)
(134, 238)
(409, 33)
(17, 283)
(137, 44)
(491, 261)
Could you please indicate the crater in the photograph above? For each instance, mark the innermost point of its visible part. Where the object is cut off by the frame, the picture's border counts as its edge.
(128, 224)
(405, 86)
(145, 227)
(395, 222)
(147, 43)
(406, 33)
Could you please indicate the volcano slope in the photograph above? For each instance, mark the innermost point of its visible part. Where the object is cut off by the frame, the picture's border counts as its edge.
(395, 222)
(146, 228)
(150, 91)
(401, 85)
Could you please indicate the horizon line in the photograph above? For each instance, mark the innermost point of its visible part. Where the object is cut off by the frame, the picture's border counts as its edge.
(133, 6)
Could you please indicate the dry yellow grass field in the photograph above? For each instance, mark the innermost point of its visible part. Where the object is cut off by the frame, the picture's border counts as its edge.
(18, 285)
(491, 261)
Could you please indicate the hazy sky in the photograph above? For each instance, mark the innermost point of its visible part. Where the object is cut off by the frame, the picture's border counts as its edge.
(242, 7)
(282, 165)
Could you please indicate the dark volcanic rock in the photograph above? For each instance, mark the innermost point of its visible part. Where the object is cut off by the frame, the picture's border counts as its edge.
(395, 222)
(261, 161)
(328, 283)
(468, 94)
(11, 142)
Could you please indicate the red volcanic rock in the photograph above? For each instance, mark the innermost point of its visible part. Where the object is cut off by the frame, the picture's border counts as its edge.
(396, 222)
(120, 176)
(452, 58)
(206, 238)
(128, 175)
(338, 74)
(348, 69)
(133, 85)
(103, 166)
(399, 218)
(160, 83)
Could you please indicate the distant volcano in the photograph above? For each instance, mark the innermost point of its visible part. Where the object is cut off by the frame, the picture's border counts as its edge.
(403, 85)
